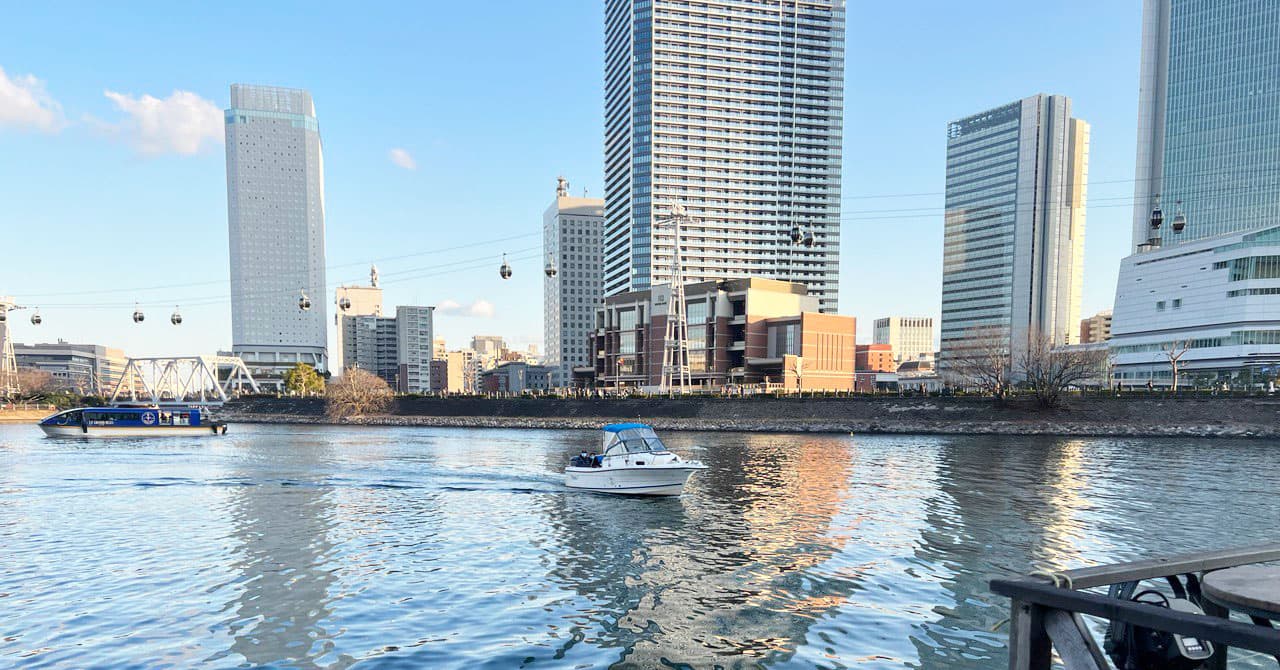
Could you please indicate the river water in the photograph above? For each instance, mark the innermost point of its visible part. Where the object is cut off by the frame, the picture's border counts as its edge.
(321, 547)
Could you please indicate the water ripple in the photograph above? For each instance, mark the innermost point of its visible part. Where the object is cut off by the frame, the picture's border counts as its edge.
(384, 547)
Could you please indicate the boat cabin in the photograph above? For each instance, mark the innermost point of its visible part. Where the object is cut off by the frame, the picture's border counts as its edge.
(621, 439)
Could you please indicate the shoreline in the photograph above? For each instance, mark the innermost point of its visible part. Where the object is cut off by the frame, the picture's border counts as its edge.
(1045, 427)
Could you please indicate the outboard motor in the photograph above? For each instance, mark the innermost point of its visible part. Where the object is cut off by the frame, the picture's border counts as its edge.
(1136, 648)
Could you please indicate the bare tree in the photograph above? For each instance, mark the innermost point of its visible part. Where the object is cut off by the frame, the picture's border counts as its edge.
(357, 393)
(34, 381)
(1050, 371)
(1174, 351)
(984, 362)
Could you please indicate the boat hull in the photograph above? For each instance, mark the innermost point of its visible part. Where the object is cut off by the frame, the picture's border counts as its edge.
(636, 481)
(129, 431)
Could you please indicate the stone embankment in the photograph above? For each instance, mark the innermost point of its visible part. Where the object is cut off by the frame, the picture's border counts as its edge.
(1120, 417)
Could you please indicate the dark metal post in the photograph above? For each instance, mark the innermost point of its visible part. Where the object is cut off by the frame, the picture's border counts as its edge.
(1219, 659)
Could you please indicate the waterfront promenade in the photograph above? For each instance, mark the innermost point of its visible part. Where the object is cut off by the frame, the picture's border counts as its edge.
(1154, 416)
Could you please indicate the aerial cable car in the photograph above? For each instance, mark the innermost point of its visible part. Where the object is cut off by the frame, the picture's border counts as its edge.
(344, 303)
(36, 319)
(504, 270)
(138, 316)
(1179, 219)
(1157, 216)
(808, 240)
(176, 317)
(550, 269)
(797, 235)
(304, 303)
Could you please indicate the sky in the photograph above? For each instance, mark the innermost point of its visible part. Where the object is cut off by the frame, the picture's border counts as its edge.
(445, 126)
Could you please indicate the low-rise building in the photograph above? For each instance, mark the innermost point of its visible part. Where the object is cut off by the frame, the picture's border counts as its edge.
(740, 331)
(454, 373)
(1211, 306)
(1096, 328)
(910, 336)
(84, 368)
(875, 358)
(516, 377)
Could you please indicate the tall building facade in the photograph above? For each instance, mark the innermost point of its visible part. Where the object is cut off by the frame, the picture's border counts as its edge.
(415, 343)
(1013, 247)
(1208, 132)
(396, 348)
(275, 212)
(910, 336)
(572, 237)
(371, 344)
(1209, 145)
(735, 110)
(350, 302)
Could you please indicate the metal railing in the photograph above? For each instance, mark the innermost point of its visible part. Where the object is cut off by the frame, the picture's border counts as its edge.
(1046, 617)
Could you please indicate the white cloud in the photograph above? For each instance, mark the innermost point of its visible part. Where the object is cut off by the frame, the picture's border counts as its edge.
(403, 158)
(181, 123)
(25, 104)
(481, 309)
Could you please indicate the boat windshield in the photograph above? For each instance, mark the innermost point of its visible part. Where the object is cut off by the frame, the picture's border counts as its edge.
(636, 441)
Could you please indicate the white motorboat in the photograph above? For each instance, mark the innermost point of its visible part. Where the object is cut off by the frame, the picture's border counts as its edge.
(633, 461)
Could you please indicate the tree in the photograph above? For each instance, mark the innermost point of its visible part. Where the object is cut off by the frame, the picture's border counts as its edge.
(302, 379)
(1050, 371)
(357, 393)
(982, 361)
(34, 381)
(1174, 351)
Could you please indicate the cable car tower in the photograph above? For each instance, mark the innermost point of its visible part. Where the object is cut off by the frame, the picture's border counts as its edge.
(675, 346)
(8, 362)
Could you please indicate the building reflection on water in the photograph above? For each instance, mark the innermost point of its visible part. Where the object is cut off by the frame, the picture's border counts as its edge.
(727, 570)
(281, 535)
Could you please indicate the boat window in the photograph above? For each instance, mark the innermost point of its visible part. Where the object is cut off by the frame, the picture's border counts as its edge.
(640, 440)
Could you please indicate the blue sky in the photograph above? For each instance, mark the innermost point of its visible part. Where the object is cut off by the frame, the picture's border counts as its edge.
(108, 197)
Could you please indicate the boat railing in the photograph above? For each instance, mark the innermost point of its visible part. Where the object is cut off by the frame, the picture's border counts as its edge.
(1046, 610)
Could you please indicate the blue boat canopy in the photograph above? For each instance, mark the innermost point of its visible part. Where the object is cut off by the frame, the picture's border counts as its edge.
(619, 427)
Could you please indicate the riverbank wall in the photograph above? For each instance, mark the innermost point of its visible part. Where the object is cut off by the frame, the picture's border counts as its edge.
(1122, 417)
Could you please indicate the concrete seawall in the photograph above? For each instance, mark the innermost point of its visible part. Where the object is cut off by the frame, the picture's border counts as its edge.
(1132, 417)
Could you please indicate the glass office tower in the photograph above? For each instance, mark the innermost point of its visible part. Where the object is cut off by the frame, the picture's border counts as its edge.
(1013, 247)
(1208, 117)
(734, 109)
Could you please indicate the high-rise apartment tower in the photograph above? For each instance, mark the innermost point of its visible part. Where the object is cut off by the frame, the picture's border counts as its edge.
(572, 233)
(735, 110)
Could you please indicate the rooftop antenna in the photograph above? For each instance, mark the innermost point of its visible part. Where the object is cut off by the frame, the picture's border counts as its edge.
(562, 187)
(373, 276)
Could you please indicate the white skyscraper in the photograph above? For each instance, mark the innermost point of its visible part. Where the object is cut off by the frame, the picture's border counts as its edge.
(1013, 248)
(734, 109)
(572, 235)
(275, 212)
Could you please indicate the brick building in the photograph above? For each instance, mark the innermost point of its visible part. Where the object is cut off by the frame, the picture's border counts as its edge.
(741, 331)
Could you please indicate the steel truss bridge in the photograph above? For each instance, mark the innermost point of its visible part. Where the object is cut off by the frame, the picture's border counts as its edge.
(182, 380)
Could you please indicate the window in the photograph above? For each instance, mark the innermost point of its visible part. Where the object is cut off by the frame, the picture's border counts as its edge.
(1177, 303)
(1160, 306)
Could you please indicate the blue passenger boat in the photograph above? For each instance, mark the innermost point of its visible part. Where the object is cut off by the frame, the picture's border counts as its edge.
(131, 422)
